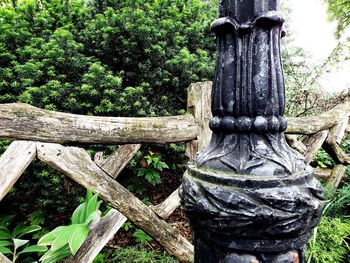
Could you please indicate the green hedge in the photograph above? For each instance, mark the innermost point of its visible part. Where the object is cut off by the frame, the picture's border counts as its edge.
(121, 58)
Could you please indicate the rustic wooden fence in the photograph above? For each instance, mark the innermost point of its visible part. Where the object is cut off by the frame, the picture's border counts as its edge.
(39, 134)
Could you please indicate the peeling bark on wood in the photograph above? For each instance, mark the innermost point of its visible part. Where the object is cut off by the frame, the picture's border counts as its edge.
(198, 105)
(337, 175)
(98, 237)
(25, 122)
(14, 162)
(4, 259)
(167, 207)
(313, 144)
(314, 124)
(293, 142)
(77, 164)
(117, 161)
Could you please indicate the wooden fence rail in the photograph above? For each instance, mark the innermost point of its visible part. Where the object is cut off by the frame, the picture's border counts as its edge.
(45, 130)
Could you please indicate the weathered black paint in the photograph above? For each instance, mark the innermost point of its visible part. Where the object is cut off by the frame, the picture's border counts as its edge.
(248, 195)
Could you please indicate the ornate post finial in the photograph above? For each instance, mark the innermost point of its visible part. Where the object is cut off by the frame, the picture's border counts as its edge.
(248, 195)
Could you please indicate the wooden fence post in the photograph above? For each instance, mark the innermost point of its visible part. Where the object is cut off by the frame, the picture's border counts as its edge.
(14, 162)
(199, 105)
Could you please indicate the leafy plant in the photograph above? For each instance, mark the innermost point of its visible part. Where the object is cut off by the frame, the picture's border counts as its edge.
(128, 225)
(338, 201)
(135, 254)
(141, 236)
(323, 160)
(66, 240)
(151, 168)
(329, 243)
(12, 242)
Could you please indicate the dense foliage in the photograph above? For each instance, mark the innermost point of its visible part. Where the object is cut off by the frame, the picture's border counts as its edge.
(330, 242)
(129, 58)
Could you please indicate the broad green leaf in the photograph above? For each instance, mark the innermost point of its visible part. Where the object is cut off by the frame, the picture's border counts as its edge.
(4, 233)
(63, 237)
(77, 213)
(5, 243)
(54, 256)
(82, 214)
(77, 238)
(89, 194)
(91, 206)
(5, 250)
(51, 236)
(33, 248)
(19, 242)
(23, 230)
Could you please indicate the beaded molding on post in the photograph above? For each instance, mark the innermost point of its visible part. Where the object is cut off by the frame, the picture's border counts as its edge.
(259, 124)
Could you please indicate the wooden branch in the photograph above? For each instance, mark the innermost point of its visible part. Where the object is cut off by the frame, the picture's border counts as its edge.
(198, 105)
(334, 150)
(117, 161)
(24, 122)
(114, 220)
(98, 237)
(337, 175)
(338, 130)
(77, 164)
(296, 144)
(322, 173)
(4, 259)
(14, 162)
(167, 207)
(314, 124)
(313, 145)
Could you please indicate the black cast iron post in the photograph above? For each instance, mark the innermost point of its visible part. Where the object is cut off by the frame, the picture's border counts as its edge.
(249, 196)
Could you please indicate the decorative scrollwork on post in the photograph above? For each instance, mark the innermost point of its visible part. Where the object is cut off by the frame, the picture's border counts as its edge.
(248, 195)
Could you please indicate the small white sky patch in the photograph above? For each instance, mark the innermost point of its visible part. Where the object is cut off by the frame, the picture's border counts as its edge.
(313, 31)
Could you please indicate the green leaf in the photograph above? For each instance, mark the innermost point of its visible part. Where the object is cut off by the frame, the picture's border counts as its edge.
(77, 238)
(4, 233)
(141, 236)
(50, 237)
(77, 214)
(33, 248)
(23, 230)
(82, 213)
(19, 242)
(89, 194)
(91, 206)
(5, 250)
(5, 243)
(141, 171)
(63, 237)
(54, 256)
